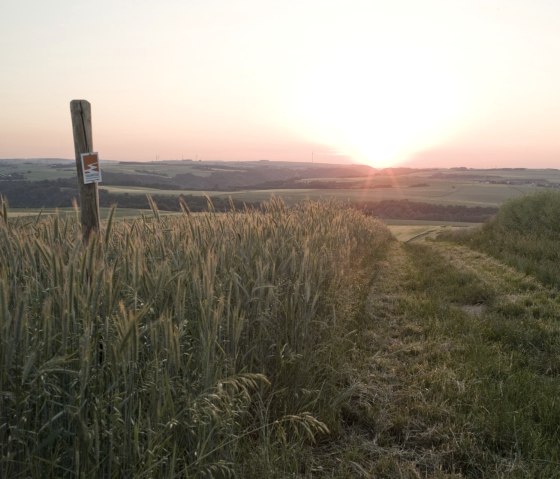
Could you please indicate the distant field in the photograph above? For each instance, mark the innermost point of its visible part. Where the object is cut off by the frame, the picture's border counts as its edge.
(254, 182)
(444, 193)
(408, 230)
(141, 190)
(436, 192)
(103, 212)
(164, 169)
(47, 169)
(37, 170)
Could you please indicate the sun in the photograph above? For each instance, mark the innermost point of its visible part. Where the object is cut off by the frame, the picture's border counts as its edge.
(380, 108)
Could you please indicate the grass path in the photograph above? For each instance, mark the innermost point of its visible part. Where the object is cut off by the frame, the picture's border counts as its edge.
(493, 273)
(455, 371)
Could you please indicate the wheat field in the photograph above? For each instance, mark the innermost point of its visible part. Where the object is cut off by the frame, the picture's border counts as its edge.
(176, 346)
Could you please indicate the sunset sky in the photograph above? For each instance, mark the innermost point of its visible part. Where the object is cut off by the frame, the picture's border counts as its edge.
(400, 82)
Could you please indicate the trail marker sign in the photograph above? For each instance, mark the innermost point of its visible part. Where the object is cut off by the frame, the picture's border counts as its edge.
(90, 168)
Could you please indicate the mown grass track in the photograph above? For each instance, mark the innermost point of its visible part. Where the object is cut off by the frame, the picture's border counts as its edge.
(455, 372)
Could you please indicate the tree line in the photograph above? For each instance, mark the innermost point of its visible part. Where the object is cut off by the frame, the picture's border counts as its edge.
(60, 193)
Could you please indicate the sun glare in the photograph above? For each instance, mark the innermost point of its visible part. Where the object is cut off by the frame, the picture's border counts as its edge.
(381, 108)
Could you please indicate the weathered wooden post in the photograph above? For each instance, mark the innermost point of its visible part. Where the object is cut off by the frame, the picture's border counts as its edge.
(83, 144)
(4, 209)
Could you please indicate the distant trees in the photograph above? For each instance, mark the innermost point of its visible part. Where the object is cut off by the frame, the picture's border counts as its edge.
(60, 193)
(405, 209)
(38, 194)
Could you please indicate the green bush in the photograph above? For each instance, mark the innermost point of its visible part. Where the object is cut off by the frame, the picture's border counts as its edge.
(525, 234)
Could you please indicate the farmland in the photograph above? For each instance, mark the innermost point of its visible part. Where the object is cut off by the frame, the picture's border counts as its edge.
(220, 345)
(255, 182)
(439, 197)
(437, 192)
(191, 345)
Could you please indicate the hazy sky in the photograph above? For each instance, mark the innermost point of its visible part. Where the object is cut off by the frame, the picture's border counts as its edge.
(421, 82)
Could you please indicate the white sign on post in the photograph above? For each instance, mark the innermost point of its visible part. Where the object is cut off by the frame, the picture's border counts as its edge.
(90, 168)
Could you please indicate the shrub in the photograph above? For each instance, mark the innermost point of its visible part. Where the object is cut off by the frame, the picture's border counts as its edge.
(524, 234)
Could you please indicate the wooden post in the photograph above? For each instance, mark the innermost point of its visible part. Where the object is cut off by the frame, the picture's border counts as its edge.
(4, 210)
(83, 143)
